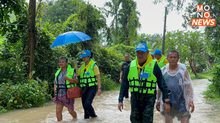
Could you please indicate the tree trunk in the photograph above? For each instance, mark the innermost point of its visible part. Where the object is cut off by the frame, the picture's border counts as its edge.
(31, 36)
(192, 66)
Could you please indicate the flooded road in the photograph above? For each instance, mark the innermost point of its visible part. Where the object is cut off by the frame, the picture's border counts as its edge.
(106, 109)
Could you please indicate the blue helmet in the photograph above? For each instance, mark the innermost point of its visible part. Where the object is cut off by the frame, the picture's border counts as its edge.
(141, 47)
(85, 53)
(157, 52)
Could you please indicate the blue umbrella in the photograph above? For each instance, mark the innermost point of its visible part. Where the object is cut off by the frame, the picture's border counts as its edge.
(71, 37)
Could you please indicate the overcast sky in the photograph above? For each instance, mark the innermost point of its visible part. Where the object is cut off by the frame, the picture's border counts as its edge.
(152, 16)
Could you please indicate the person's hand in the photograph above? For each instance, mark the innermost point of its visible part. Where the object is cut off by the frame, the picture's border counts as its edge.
(191, 105)
(99, 91)
(120, 80)
(167, 107)
(120, 106)
(74, 81)
(158, 105)
(66, 78)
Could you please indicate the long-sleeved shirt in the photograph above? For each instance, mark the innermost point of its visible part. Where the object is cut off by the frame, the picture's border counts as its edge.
(160, 81)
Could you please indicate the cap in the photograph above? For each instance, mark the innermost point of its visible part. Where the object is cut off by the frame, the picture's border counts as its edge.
(142, 47)
(85, 53)
(157, 52)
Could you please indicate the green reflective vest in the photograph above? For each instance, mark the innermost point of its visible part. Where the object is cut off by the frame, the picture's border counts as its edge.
(145, 82)
(87, 75)
(161, 61)
(69, 74)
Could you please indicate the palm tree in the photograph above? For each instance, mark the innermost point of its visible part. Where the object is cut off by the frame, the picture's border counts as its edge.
(128, 18)
(112, 9)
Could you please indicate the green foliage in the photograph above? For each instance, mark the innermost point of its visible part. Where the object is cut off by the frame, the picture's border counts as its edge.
(192, 47)
(125, 21)
(79, 17)
(2, 109)
(109, 59)
(59, 10)
(129, 21)
(204, 75)
(87, 19)
(44, 57)
(120, 49)
(12, 65)
(108, 63)
(213, 36)
(215, 80)
(153, 41)
(26, 95)
(108, 83)
(112, 9)
(13, 19)
(212, 93)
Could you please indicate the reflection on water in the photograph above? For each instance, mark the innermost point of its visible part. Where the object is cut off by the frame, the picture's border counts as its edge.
(106, 109)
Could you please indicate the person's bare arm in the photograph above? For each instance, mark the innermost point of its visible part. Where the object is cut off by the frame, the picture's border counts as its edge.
(99, 84)
(189, 90)
(120, 79)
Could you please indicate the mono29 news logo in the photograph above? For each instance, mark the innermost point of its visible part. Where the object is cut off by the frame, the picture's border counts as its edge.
(204, 16)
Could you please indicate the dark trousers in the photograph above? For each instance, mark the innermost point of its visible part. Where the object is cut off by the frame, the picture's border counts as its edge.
(142, 108)
(88, 94)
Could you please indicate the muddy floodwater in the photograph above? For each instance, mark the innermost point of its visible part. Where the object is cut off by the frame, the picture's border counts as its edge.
(106, 109)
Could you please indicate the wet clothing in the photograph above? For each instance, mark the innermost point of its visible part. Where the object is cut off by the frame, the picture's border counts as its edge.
(88, 83)
(61, 92)
(123, 69)
(124, 66)
(142, 108)
(88, 94)
(179, 83)
(176, 96)
(142, 104)
(174, 112)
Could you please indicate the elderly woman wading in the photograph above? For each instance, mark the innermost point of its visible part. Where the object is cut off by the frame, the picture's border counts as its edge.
(64, 78)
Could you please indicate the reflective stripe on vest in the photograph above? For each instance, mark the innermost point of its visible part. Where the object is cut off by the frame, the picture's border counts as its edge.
(87, 76)
(161, 61)
(145, 84)
(69, 74)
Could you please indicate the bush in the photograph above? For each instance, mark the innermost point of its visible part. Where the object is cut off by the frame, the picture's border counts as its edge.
(12, 65)
(29, 94)
(109, 59)
(108, 63)
(213, 92)
(122, 49)
(107, 83)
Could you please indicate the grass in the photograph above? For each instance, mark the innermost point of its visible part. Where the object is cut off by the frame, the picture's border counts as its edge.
(211, 95)
(203, 75)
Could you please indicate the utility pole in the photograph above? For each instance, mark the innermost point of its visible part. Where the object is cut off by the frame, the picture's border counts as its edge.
(164, 30)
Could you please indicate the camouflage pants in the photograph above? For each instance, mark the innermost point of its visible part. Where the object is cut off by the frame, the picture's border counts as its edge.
(142, 108)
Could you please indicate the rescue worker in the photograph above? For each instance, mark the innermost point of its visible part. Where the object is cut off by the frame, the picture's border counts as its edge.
(90, 82)
(161, 59)
(179, 83)
(64, 78)
(123, 68)
(141, 77)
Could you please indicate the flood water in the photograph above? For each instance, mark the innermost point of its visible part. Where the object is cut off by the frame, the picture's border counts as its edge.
(106, 109)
